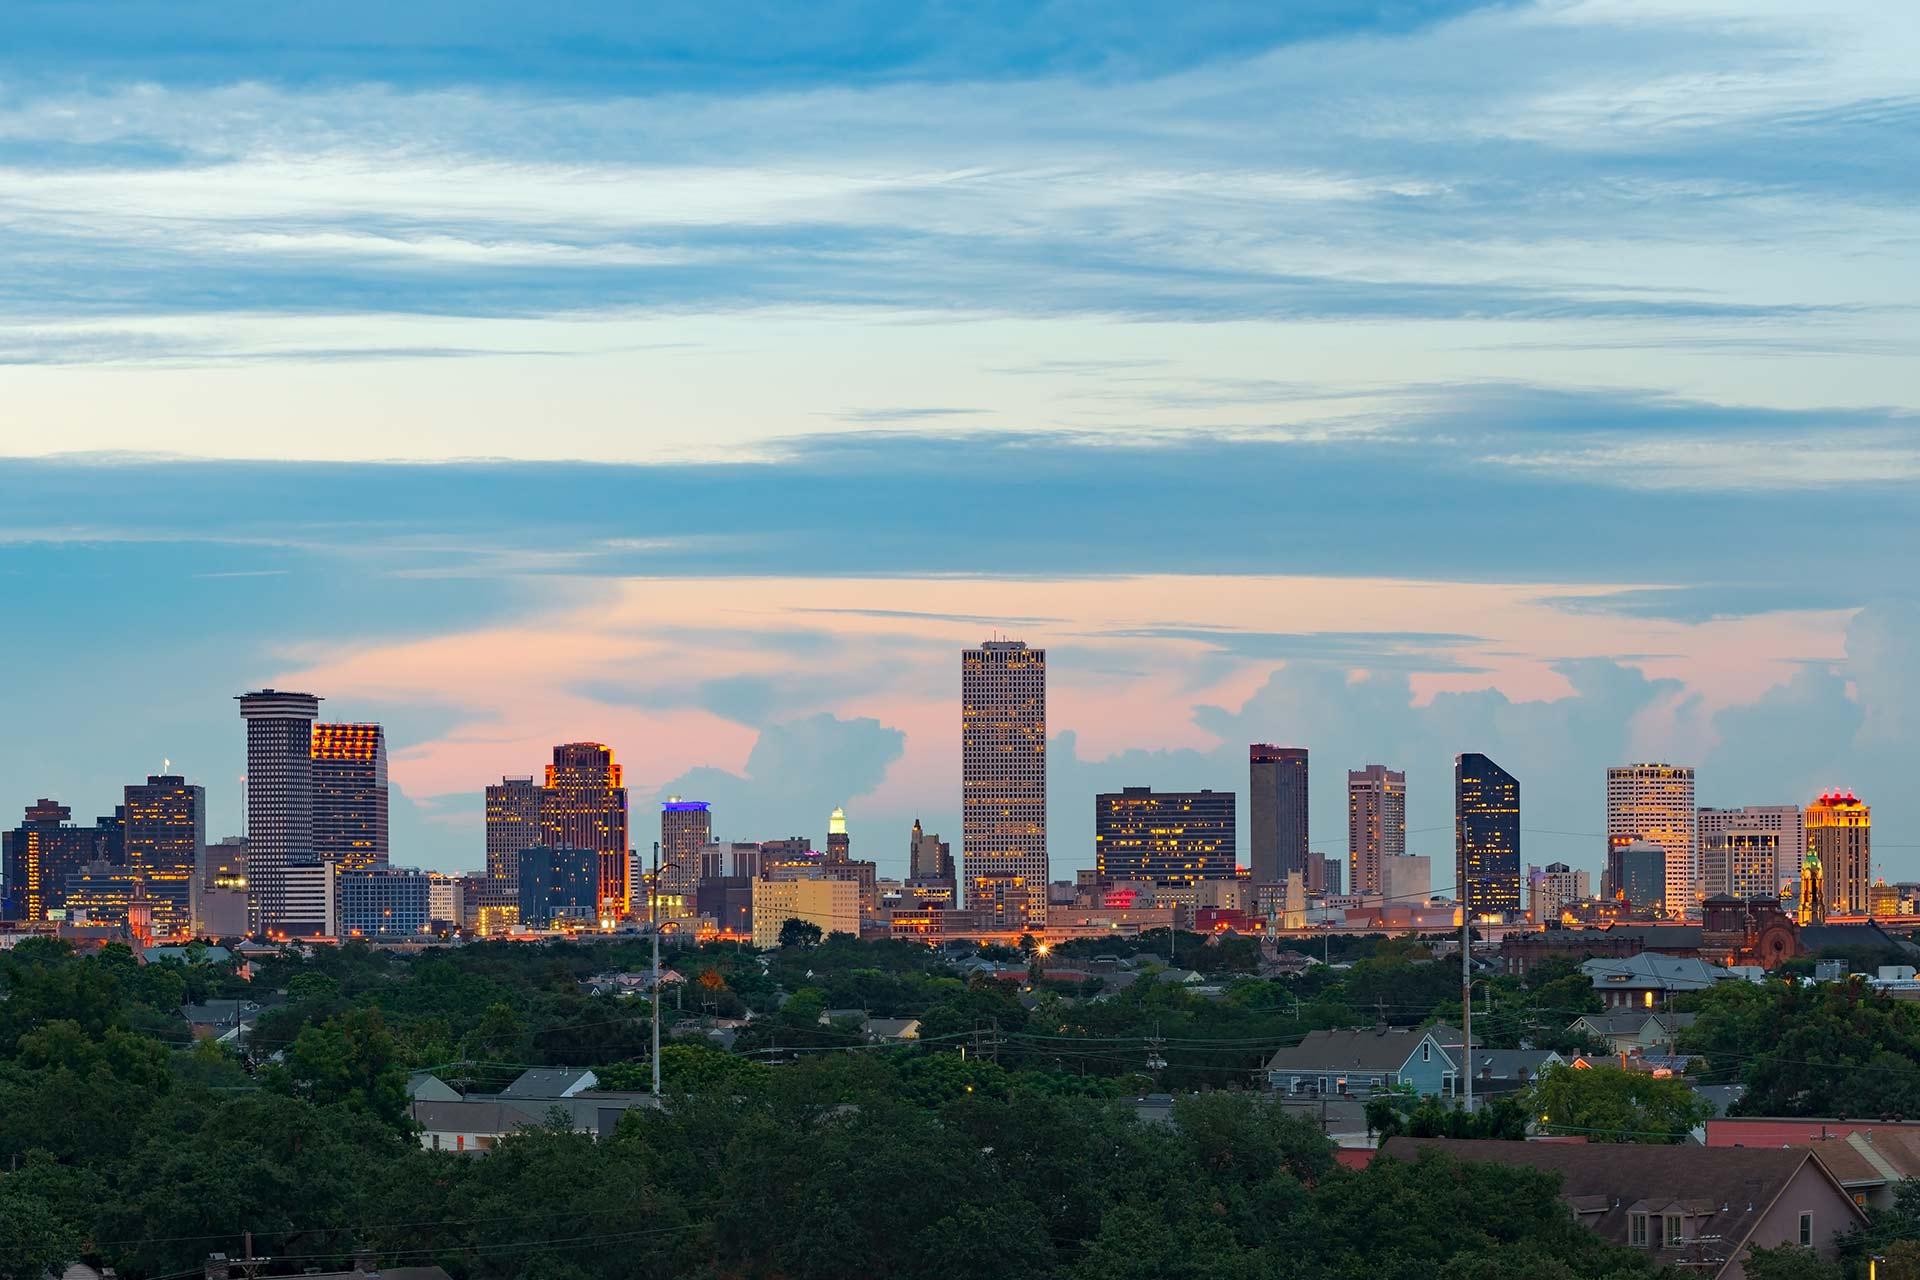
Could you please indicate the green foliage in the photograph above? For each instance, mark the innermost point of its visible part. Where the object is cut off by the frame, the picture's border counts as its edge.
(1837, 1049)
(799, 933)
(1606, 1104)
(352, 1062)
(1790, 1262)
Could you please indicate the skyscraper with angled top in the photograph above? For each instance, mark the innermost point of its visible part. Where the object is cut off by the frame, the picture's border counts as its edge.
(1486, 836)
(584, 806)
(1003, 782)
(279, 798)
(350, 795)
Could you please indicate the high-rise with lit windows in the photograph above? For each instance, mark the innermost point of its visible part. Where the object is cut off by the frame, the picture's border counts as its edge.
(1486, 836)
(1376, 823)
(686, 826)
(350, 795)
(279, 798)
(1654, 802)
(38, 856)
(1170, 837)
(584, 806)
(1003, 782)
(165, 833)
(1840, 832)
(1787, 821)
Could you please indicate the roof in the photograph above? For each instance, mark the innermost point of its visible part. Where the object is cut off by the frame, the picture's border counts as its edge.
(473, 1116)
(1366, 1049)
(1653, 970)
(1511, 1064)
(1633, 1021)
(425, 1085)
(1722, 1198)
(894, 1028)
(549, 1083)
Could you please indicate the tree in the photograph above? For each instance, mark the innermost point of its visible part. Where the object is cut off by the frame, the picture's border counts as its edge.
(1606, 1104)
(352, 1061)
(1790, 1262)
(795, 932)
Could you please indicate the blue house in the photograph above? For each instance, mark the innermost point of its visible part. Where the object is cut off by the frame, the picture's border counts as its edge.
(1361, 1061)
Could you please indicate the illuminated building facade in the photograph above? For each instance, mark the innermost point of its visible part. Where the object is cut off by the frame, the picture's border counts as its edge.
(100, 893)
(560, 886)
(1840, 830)
(1787, 821)
(307, 901)
(1654, 802)
(279, 799)
(1003, 782)
(1486, 836)
(350, 795)
(1550, 889)
(1376, 823)
(1169, 837)
(928, 856)
(164, 832)
(685, 826)
(37, 856)
(380, 902)
(1277, 818)
(220, 890)
(513, 824)
(833, 905)
(1741, 862)
(584, 806)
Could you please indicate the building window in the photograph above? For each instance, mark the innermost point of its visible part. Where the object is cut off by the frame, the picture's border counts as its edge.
(1323, 1084)
(1673, 1234)
(1637, 1229)
(1426, 1051)
(1806, 1230)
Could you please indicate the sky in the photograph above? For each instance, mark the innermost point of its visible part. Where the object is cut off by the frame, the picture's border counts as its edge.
(1395, 379)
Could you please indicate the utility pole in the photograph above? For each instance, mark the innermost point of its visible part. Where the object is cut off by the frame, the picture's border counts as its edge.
(653, 927)
(1466, 1000)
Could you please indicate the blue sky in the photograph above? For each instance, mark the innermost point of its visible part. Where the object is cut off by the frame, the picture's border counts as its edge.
(1396, 378)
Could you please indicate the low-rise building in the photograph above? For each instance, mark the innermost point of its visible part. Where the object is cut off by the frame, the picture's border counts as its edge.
(832, 905)
(1649, 979)
(1697, 1209)
(1357, 1062)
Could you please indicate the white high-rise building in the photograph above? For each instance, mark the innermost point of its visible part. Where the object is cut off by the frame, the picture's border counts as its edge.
(1654, 802)
(1003, 782)
(1551, 888)
(1788, 821)
(279, 802)
(1376, 824)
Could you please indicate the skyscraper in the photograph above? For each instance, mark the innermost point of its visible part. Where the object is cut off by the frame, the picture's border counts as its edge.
(279, 798)
(1789, 821)
(37, 856)
(1003, 782)
(1840, 831)
(513, 824)
(350, 795)
(1551, 888)
(584, 806)
(685, 827)
(1740, 862)
(1376, 823)
(928, 856)
(1486, 836)
(1171, 837)
(1277, 797)
(166, 840)
(1655, 802)
(839, 843)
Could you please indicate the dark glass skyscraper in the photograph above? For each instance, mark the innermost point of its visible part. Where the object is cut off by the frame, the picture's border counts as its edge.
(1277, 797)
(1486, 835)
(350, 795)
(1173, 837)
(37, 856)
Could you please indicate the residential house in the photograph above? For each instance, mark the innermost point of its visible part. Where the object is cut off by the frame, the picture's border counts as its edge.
(1500, 1070)
(470, 1126)
(1360, 1061)
(227, 1022)
(1697, 1209)
(1870, 1158)
(549, 1083)
(424, 1086)
(899, 1030)
(1634, 1030)
(1649, 979)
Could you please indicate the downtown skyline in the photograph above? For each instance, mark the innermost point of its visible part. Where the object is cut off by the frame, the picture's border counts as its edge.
(1529, 379)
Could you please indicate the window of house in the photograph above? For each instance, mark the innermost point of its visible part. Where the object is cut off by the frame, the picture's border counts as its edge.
(1806, 1230)
(1323, 1084)
(1637, 1229)
(1426, 1051)
(1674, 1232)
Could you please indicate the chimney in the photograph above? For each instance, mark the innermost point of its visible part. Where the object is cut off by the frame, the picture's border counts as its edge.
(217, 1266)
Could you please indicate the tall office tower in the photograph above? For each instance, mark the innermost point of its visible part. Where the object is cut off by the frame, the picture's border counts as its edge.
(1641, 870)
(839, 843)
(165, 831)
(1324, 875)
(1171, 837)
(584, 806)
(1376, 823)
(279, 797)
(1003, 782)
(1740, 862)
(1789, 821)
(1551, 888)
(1840, 830)
(928, 856)
(37, 856)
(1277, 796)
(685, 827)
(1655, 802)
(1486, 836)
(513, 824)
(350, 795)
(561, 886)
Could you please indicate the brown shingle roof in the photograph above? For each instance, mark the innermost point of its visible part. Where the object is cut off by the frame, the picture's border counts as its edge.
(1724, 1198)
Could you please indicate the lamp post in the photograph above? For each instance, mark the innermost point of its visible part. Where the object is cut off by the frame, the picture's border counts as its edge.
(653, 927)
